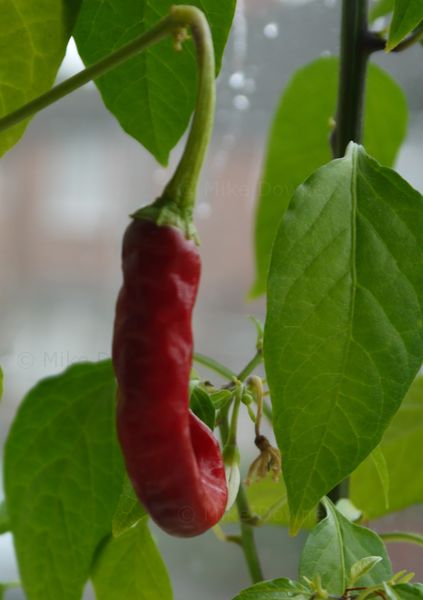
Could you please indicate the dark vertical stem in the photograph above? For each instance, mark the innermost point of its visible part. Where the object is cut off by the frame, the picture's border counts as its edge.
(352, 80)
(355, 52)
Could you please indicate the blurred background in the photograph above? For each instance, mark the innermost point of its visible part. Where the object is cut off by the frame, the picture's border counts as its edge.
(66, 191)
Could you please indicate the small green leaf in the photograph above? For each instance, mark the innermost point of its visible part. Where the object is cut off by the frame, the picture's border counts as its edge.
(277, 589)
(402, 447)
(129, 510)
(130, 566)
(403, 576)
(361, 567)
(335, 545)
(344, 329)
(33, 39)
(153, 94)
(299, 142)
(408, 14)
(63, 478)
(380, 9)
(219, 398)
(202, 406)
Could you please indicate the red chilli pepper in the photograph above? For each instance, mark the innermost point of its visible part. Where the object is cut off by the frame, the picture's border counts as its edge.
(172, 458)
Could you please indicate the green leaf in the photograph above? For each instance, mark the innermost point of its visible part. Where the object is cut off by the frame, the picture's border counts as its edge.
(153, 94)
(219, 398)
(130, 566)
(378, 459)
(4, 518)
(344, 330)
(406, 591)
(408, 14)
(202, 406)
(277, 589)
(380, 9)
(335, 545)
(361, 567)
(299, 142)
(129, 510)
(267, 500)
(33, 39)
(63, 477)
(402, 447)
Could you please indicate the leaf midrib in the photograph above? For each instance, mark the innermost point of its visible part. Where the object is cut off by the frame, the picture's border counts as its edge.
(335, 403)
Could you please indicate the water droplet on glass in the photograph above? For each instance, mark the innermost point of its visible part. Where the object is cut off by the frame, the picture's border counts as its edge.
(203, 210)
(236, 80)
(326, 53)
(271, 31)
(241, 102)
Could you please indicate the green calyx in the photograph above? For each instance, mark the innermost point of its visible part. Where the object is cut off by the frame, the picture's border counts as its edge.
(166, 212)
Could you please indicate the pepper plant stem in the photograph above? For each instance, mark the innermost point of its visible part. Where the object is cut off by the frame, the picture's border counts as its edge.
(247, 537)
(182, 186)
(214, 365)
(351, 95)
(248, 369)
(352, 80)
(244, 512)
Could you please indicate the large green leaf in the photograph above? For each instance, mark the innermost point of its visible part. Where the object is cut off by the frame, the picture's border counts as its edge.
(152, 95)
(63, 477)
(33, 39)
(4, 518)
(344, 330)
(407, 15)
(378, 460)
(402, 447)
(335, 545)
(129, 510)
(277, 589)
(131, 567)
(299, 142)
